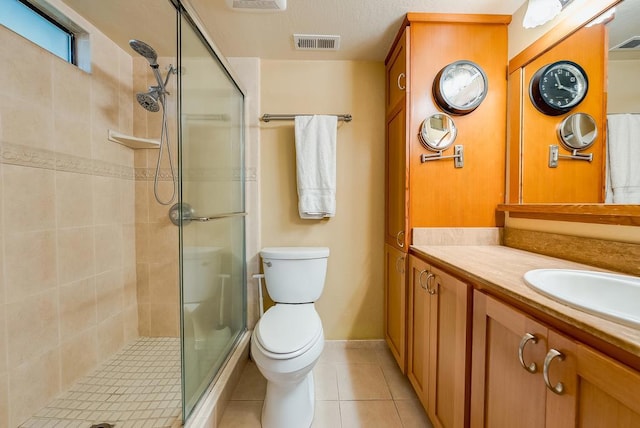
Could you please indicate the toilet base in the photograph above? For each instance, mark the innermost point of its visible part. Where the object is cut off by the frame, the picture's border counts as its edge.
(289, 405)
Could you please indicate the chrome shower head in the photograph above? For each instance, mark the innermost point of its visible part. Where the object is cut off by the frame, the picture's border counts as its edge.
(149, 100)
(145, 50)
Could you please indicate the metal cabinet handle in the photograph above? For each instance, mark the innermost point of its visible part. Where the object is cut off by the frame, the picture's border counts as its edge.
(559, 387)
(399, 239)
(398, 260)
(432, 290)
(401, 76)
(528, 337)
(425, 284)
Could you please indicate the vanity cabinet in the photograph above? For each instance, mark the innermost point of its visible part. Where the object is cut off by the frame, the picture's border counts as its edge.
(395, 303)
(526, 374)
(439, 325)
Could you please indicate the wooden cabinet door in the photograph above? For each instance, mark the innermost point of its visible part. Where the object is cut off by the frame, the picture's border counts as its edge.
(395, 303)
(448, 333)
(420, 313)
(597, 391)
(397, 183)
(396, 69)
(503, 392)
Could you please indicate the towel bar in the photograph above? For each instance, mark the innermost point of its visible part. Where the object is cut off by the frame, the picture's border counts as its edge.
(268, 117)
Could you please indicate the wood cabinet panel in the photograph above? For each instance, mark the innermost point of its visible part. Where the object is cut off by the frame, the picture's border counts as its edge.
(397, 183)
(439, 323)
(397, 73)
(596, 391)
(395, 303)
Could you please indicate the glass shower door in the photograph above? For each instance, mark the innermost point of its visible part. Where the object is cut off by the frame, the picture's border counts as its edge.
(212, 195)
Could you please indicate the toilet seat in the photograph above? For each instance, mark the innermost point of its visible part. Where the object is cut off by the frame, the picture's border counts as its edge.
(288, 330)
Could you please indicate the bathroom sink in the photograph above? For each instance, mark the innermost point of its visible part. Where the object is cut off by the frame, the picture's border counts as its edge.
(612, 296)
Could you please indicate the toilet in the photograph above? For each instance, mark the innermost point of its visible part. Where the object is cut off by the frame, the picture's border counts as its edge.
(288, 339)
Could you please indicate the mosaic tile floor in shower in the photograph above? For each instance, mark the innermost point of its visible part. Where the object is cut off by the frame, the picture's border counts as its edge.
(138, 388)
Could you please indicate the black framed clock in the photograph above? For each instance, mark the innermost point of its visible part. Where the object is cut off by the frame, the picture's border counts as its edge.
(558, 87)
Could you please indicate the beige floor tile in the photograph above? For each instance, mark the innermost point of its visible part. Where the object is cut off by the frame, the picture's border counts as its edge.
(326, 382)
(327, 415)
(412, 414)
(398, 383)
(252, 385)
(242, 414)
(369, 414)
(361, 382)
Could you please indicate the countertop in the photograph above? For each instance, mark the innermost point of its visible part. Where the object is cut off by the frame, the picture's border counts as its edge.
(499, 270)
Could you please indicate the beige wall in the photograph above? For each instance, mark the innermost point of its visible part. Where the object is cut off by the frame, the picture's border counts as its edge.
(351, 304)
(68, 282)
(623, 97)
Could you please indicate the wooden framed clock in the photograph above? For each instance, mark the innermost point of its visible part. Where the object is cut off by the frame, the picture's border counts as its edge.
(558, 87)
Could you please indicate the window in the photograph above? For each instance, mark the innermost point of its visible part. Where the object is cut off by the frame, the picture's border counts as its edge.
(43, 25)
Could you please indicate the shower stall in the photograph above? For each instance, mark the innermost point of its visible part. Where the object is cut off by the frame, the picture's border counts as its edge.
(123, 278)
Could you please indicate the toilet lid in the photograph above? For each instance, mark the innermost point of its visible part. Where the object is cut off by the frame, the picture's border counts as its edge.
(285, 329)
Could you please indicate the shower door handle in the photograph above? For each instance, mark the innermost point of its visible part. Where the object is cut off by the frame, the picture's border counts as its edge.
(186, 213)
(218, 216)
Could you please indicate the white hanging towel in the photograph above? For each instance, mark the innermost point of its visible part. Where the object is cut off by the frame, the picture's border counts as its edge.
(316, 165)
(623, 150)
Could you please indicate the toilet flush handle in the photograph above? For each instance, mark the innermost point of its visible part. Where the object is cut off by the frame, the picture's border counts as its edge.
(267, 264)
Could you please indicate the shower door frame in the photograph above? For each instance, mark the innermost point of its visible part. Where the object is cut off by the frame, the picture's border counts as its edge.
(185, 10)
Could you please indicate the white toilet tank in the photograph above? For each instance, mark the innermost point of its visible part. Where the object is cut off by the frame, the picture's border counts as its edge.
(200, 273)
(294, 274)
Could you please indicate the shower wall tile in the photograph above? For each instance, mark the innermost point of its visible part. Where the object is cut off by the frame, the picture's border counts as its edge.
(18, 119)
(125, 92)
(131, 330)
(106, 200)
(4, 399)
(72, 118)
(144, 320)
(164, 319)
(75, 254)
(78, 307)
(28, 74)
(29, 198)
(29, 263)
(79, 356)
(32, 385)
(160, 213)
(128, 245)
(130, 286)
(74, 205)
(142, 242)
(110, 336)
(163, 242)
(163, 283)
(142, 279)
(32, 327)
(109, 294)
(142, 200)
(127, 202)
(108, 246)
(3, 342)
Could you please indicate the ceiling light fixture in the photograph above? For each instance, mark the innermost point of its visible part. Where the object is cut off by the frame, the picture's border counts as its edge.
(540, 12)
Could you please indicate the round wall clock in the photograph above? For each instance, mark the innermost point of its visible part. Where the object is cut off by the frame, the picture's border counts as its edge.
(460, 87)
(558, 87)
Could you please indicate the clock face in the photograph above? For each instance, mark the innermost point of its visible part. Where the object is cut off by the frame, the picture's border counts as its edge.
(460, 87)
(557, 88)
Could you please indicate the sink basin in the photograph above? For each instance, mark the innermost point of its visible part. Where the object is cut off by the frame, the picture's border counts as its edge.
(612, 296)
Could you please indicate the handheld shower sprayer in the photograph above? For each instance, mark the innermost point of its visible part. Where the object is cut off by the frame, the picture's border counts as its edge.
(151, 101)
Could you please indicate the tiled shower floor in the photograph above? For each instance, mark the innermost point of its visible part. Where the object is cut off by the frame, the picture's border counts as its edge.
(138, 388)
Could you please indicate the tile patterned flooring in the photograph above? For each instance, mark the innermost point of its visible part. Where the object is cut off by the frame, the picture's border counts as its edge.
(355, 387)
(138, 388)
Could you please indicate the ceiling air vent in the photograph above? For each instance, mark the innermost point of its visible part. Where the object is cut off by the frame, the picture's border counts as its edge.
(632, 43)
(257, 5)
(316, 42)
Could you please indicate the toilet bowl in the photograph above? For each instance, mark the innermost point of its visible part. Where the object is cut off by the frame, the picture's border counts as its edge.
(288, 339)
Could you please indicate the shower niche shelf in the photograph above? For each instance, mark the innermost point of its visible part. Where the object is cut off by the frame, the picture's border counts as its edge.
(133, 142)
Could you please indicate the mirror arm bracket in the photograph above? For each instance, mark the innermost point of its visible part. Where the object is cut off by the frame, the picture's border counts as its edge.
(554, 156)
(458, 156)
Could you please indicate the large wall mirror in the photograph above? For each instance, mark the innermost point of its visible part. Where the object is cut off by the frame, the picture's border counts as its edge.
(617, 188)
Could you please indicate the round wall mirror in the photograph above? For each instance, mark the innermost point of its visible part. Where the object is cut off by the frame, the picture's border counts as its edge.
(438, 132)
(577, 131)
